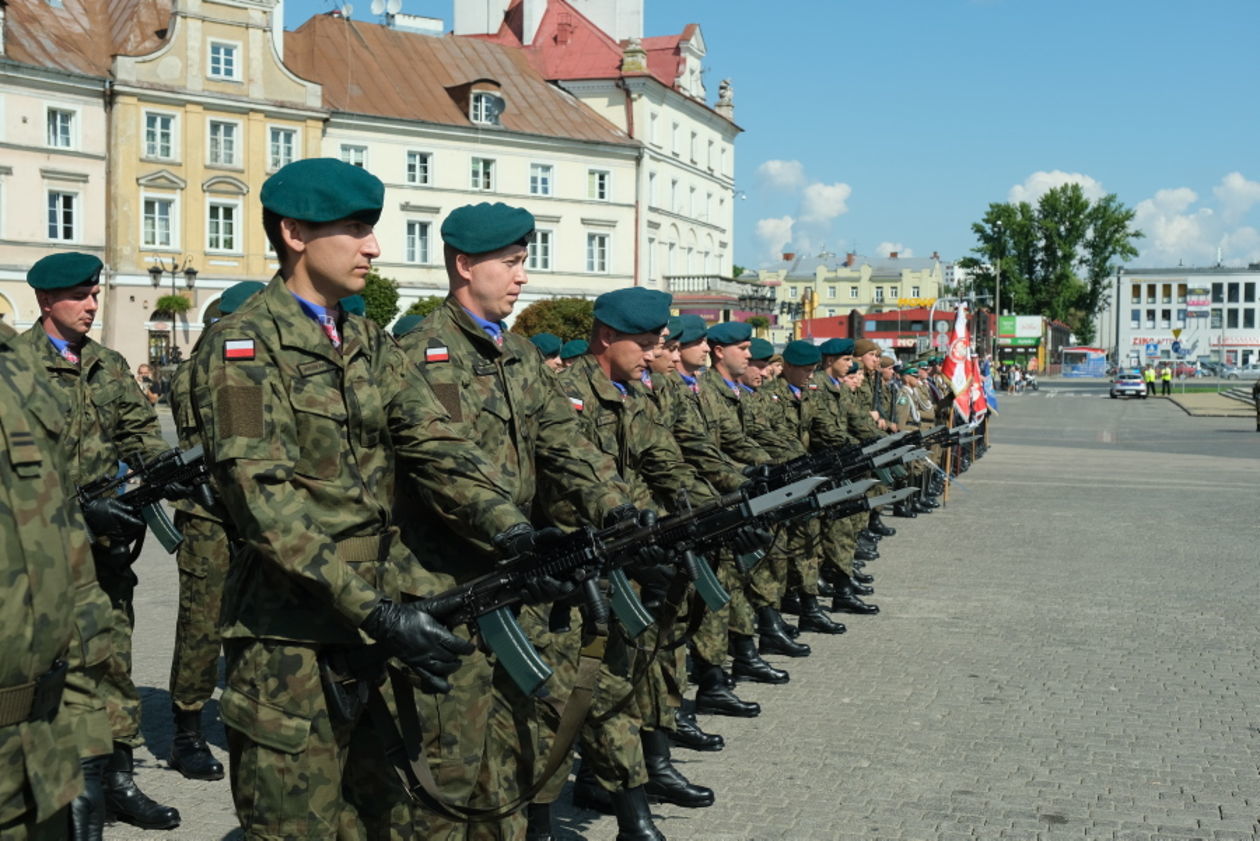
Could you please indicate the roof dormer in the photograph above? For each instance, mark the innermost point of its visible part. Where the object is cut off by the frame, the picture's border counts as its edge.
(482, 100)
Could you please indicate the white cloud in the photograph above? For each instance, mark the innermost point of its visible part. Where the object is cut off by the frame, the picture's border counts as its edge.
(1039, 183)
(885, 248)
(1241, 245)
(1174, 231)
(782, 175)
(821, 203)
(1236, 195)
(774, 234)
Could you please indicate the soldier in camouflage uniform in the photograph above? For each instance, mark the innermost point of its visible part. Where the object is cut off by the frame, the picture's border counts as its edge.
(46, 683)
(309, 416)
(108, 420)
(202, 559)
(498, 392)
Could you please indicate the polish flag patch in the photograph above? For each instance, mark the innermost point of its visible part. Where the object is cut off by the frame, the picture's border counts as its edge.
(436, 354)
(577, 404)
(238, 349)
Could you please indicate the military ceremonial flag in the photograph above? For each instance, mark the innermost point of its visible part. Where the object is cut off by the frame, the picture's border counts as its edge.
(957, 364)
(979, 401)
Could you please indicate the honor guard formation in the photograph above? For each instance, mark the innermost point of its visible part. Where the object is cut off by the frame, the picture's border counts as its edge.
(442, 563)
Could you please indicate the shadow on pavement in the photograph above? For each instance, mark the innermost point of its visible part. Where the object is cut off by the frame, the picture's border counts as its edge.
(158, 727)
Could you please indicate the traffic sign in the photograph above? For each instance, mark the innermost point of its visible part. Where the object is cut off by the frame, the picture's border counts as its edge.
(1152, 348)
(1176, 348)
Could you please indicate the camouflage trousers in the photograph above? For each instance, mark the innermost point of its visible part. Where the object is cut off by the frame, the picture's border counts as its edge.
(768, 580)
(713, 636)
(203, 564)
(610, 741)
(804, 549)
(116, 688)
(839, 540)
(26, 828)
(88, 657)
(298, 772)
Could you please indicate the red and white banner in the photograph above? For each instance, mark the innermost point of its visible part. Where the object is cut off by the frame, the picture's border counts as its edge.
(957, 364)
(979, 404)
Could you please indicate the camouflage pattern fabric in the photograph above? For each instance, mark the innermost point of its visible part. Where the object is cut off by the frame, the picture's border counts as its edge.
(695, 432)
(43, 561)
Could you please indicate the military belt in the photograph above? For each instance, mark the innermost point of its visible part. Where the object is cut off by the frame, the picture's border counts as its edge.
(38, 700)
(361, 550)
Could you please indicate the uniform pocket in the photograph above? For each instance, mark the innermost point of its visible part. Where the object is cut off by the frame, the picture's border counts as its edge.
(319, 413)
(264, 723)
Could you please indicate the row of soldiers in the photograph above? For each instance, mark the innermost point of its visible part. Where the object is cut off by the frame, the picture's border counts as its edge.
(356, 475)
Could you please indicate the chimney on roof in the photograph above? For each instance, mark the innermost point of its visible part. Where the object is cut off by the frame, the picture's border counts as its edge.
(892, 255)
(789, 256)
(564, 29)
(849, 260)
(532, 19)
(936, 255)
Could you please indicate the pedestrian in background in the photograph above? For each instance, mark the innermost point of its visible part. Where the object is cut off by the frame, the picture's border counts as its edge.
(1148, 376)
(1165, 380)
(148, 386)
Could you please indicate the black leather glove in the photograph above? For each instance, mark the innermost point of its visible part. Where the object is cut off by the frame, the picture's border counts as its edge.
(180, 490)
(111, 517)
(87, 811)
(620, 513)
(749, 539)
(543, 589)
(522, 539)
(418, 640)
(756, 472)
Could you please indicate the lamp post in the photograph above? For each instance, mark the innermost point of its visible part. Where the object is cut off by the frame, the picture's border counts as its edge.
(997, 292)
(1119, 287)
(175, 268)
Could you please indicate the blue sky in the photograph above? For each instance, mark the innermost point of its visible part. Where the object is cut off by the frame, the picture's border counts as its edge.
(891, 125)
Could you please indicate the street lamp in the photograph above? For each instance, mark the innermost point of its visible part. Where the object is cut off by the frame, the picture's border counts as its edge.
(175, 269)
(1119, 286)
(997, 292)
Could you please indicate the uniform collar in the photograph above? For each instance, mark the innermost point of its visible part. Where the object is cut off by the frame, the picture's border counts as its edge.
(298, 328)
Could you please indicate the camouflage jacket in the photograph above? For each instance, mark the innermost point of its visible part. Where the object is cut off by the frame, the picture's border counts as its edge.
(108, 419)
(178, 397)
(800, 422)
(505, 400)
(721, 404)
(691, 428)
(44, 557)
(304, 441)
(838, 400)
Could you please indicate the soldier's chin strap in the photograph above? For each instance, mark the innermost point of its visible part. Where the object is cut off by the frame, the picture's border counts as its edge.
(404, 744)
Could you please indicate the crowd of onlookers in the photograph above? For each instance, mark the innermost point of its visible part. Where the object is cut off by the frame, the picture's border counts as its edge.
(1014, 378)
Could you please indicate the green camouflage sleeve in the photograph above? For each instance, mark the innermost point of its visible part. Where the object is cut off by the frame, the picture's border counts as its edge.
(780, 438)
(660, 462)
(136, 430)
(697, 446)
(731, 438)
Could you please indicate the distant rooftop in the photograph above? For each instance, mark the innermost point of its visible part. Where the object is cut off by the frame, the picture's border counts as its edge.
(83, 36)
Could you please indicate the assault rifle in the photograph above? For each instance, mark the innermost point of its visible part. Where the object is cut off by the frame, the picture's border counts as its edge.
(844, 464)
(173, 467)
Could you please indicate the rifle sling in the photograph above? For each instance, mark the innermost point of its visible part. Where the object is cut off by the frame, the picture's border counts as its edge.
(404, 745)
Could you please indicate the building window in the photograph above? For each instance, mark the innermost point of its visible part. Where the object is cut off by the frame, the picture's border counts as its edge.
(1215, 319)
(674, 140)
(1152, 293)
(1249, 293)
(159, 136)
(1165, 319)
(879, 294)
(1231, 319)
(673, 195)
(914, 291)
(597, 184)
(709, 160)
(792, 292)
(892, 293)
(540, 179)
(222, 143)
(652, 197)
(695, 138)
(1181, 293)
(281, 148)
(540, 251)
(691, 202)
(1218, 293)
(60, 128)
(221, 227)
(831, 291)
(419, 168)
(223, 64)
(1249, 319)
(1135, 318)
(485, 109)
(597, 253)
(158, 219)
(482, 174)
(654, 133)
(853, 293)
(651, 255)
(417, 242)
(830, 312)
(1181, 318)
(61, 215)
(1150, 319)
(354, 155)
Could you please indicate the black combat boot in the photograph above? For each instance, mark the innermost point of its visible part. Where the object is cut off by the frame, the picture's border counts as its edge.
(190, 755)
(714, 697)
(747, 664)
(790, 603)
(125, 801)
(687, 733)
(847, 600)
(666, 784)
(876, 525)
(589, 794)
(87, 811)
(825, 589)
(813, 619)
(860, 577)
(774, 638)
(858, 587)
(865, 555)
(634, 819)
(867, 545)
(538, 827)
(867, 534)
(904, 509)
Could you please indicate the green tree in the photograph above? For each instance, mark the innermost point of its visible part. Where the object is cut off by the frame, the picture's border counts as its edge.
(380, 298)
(736, 271)
(1056, 259)
(424, 306)
(173, 305)
(568, 318)
(757, 323)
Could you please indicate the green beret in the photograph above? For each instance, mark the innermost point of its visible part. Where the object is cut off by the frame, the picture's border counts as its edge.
(836, 347)
(635, 309)
(238, 293)
(485, 227)
(694, 328)
(406, 324)
(675, 327)
(548, 344)
(62, 271)
(729, 333)
(761, 349)
(574, 348)
(801, 352)
(912, 370)
(853, 368)
(324, 190)
(354, 304)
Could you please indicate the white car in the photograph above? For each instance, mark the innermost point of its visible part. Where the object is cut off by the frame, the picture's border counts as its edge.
(1128, 383)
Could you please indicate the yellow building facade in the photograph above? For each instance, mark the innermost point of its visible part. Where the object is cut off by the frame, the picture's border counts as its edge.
(195, 128)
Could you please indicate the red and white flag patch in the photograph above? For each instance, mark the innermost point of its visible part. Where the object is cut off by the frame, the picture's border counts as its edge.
(238, 349)
(436, 354)
(577, 404)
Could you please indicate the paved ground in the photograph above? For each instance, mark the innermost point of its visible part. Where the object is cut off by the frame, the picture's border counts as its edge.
(1067, 651)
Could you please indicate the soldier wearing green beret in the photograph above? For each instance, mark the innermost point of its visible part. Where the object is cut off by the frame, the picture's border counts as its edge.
(311, 417)
(498, 392)
(108, 419)
(571, 350)
(549, 345)
(203, 559)
(405, 325)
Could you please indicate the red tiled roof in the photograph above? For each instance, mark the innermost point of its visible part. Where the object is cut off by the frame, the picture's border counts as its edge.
(366, 68)
(83, 36)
